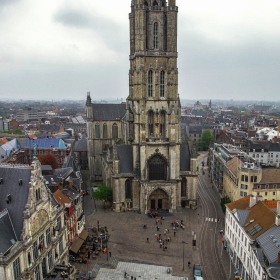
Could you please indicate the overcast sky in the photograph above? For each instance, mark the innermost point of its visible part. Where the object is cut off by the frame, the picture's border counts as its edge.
(60, 49)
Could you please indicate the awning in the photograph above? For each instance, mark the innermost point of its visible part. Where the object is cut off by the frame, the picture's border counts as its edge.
(84, 234)
(77, 245)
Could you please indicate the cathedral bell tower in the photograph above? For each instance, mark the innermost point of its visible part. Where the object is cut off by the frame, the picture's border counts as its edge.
(153, 104)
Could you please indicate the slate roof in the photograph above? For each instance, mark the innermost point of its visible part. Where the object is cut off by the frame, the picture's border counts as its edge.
(71, 192)
(270, 243)
(242, 216)
(63, 172)
(125, 155)
(185, 156)
(80, 145)
(49, 127)
(7, 233)
(108, 112)
(71, 163)
(45, 143)
(11, 174)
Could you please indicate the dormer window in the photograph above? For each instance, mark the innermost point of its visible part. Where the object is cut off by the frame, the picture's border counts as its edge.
(8, 199)
(20, 182)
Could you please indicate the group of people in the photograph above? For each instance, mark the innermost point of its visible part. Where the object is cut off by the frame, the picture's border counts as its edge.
(152, 214)
(176, 224)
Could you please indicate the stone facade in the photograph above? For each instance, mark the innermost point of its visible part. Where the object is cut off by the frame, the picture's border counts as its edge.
(152, 170)
(42, 243)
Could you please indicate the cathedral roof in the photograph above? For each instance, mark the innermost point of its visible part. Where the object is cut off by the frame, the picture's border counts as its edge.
(108, 112)
(185, 158)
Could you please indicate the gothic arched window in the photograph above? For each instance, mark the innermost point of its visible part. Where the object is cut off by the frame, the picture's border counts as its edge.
(157, 168)
(151, 123)
(115, 133)
(128, 190)
(105, 132)
(97, 130)
(162, 80)
(155, 3)
(184, 187)
(155, 35)
(150, 83)
(146, 3)
(162, 123)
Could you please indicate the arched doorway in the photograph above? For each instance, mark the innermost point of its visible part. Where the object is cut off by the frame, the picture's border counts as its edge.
(158, 199)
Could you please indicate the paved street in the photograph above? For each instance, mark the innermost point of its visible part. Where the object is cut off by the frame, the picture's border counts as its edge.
(128, 238)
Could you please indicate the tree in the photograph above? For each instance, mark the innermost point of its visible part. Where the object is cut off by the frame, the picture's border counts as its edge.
(225, 200)
(17, 131)
(206, 139)
(48, 159)
(103, 193)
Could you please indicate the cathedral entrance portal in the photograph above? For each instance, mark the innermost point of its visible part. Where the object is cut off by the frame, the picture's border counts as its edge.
(158, 200)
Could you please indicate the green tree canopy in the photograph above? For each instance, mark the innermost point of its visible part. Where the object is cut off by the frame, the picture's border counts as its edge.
(225, 200)
(206, 139)
(103, 193)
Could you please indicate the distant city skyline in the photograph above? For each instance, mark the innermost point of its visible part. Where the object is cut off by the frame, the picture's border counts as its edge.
(60, 49)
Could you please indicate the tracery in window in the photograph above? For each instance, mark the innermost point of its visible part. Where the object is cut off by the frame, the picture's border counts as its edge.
(162, 123)
(155, 35)
(155, 3)
(97, 130)
(157, 168)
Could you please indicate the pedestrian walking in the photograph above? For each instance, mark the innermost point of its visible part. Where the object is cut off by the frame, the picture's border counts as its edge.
(125, 274)
(110, 254)
(157, 228)
(147, 239)
(174, 233)
(189, 264)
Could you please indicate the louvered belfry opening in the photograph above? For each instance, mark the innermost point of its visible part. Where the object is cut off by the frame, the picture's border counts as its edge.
(157, 168)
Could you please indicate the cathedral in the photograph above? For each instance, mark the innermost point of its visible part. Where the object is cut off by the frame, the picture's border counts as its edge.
(135, 147)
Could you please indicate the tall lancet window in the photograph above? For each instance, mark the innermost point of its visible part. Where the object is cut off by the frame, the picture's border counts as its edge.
(156, 35)
(162, 124)
(162, 77)
(150, 83)
(151, 123)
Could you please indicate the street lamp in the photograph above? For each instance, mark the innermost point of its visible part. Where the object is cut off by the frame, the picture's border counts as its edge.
(183, 242)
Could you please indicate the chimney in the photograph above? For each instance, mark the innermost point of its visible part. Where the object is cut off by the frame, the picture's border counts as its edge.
(259, 198)
(278, 257)
(278, 207)
(65, 191)
(277, 220)
(253, 201)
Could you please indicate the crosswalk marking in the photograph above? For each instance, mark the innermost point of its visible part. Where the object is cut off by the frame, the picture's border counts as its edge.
(215, 220)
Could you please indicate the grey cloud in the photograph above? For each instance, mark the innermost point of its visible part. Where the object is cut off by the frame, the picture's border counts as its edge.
(4, 3)
(111, 32)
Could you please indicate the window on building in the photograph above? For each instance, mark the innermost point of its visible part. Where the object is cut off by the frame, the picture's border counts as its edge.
(105, 131)
(115, 132)
(274, 186)
(162, 124)
(48, 236)
(265, 193)
(257, 155)
(150, 83)
(254, 155)
(16, 268)
(157, 168)
(151, 123)
(183, 187)
(244, 186)
(35, 250)
(60, 246)
(254, 179)
(273, 193)
(50, 260)
(162, 83)
(37, 272)
(97, 130)
(155, 35)
(266, 186)
(128, 189)
(41, 242)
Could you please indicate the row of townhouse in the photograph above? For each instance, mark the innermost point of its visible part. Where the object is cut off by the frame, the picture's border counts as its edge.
(252, 237)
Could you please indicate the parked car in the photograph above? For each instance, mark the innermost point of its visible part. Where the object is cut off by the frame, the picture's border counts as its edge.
(197, 270)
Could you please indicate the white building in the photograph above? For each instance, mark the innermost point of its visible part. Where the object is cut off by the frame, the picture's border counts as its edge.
(247, 222)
